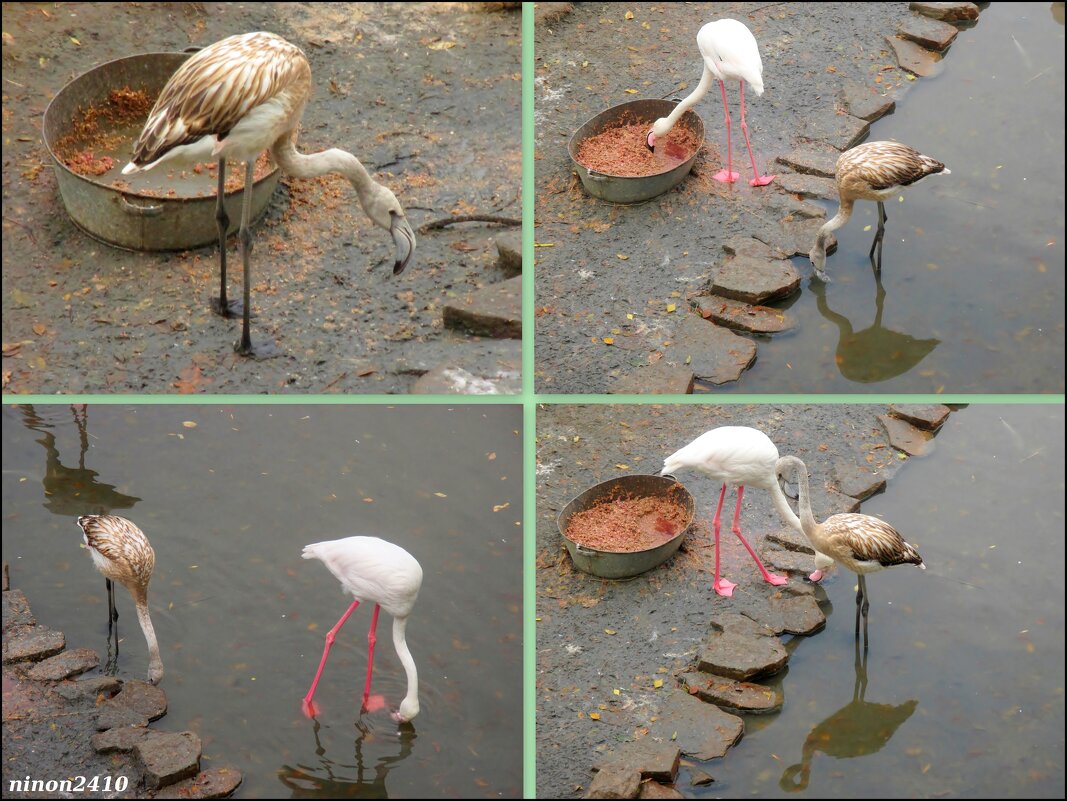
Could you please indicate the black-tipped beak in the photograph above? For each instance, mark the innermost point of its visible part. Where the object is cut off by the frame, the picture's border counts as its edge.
(650, 141)
(404, 238)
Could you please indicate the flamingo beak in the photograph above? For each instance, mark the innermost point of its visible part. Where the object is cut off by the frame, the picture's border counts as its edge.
(650, 141)
(404, 238)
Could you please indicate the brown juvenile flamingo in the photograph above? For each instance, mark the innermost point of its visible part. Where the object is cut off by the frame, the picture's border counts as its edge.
(121, 551)
(872, 171)
(373, 570)
(730, 53)
(862, 543)
(233, 100)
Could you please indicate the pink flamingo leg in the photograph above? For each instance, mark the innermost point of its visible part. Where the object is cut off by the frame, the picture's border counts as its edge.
(721, 585)
(372, 638)
(727, 176)
(768, 577)
(309, 706)
(757, 179)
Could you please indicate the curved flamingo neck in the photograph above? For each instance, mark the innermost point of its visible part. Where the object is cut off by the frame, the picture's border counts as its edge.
(694, 97)
(785, 511)
(334, 160)
(155, 661)
(835, 222)
(409, 707)
(807, 519)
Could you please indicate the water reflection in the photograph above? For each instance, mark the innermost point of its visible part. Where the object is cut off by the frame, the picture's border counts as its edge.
(876, 353)
(72, 491)
(339, 782)
(857, 729)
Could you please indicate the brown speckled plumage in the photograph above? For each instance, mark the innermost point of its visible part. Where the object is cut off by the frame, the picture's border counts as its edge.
(871, 171)
(122, 553)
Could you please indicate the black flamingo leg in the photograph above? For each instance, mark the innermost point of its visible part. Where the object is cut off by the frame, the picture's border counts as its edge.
(244, 346)
(876, 261)
(222, 305)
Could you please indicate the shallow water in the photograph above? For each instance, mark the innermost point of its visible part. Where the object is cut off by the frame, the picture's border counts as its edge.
(965, 672)
(972, 264)
(228, 505)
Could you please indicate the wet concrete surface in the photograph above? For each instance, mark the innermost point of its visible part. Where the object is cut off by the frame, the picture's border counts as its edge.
(426, 95)
(602, 645)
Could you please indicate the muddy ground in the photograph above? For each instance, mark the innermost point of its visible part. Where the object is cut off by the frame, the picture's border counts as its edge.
(426, 95)
(600, 262)
(595, 636)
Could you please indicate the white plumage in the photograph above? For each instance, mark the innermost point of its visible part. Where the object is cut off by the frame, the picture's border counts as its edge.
(373, 570)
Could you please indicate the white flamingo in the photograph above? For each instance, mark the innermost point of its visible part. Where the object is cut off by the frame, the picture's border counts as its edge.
(233, 100)
(121, 551)
(862, 543)
(730, 53)
(739, 456)
(372, 569)
(872, 171)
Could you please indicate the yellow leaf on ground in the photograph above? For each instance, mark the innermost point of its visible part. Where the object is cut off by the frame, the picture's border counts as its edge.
(610, 631)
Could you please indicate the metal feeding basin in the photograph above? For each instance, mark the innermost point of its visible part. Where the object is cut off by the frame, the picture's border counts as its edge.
(162, 209)
(627, 189)
(618, 564)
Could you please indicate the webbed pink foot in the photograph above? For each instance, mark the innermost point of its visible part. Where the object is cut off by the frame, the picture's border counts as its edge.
(762, 180)
(816, 576)
(726, 177)
(309, 708)
(724, 587)
(776, 580)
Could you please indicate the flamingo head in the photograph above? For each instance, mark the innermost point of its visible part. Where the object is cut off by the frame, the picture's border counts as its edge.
(385, 211)
(818, 261)
(409, 708)
(660, 128)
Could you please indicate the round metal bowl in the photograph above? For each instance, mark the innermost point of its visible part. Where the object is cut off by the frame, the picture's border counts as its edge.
(611, 564)
(627, 189)
(129, 218)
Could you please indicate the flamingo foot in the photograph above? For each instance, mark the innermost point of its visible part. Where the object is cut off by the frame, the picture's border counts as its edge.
(374, 703)
(726, 177)
(260, 351)
(234, 307)
(816, 576)
(724, 588)
(775, 579)
(310, 708)
(762, 180)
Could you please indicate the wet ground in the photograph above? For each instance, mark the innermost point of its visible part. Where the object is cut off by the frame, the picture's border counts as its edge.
(426, 95)
(964, 675)
(228, 503)
(973, 301)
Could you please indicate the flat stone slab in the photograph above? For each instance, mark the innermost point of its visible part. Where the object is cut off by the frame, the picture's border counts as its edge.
(458, 380)
(211, 783)
(811, 161)
(916, 60)
(840, 131)
(747, 246)
(949, 12)
(657, 790)
(661, 378)
(715, 354)
(800, 233)
(801, 614)
(16, 610)
(137, 704)
(743, 696)
(493, 311)
(120, 739)
(32, 644)
(808, 185)
(168, 758)
(928, 417)
(929, 33)
(89, 688)
(904, 436)
(857, 480)
(792, 562)
(739, 656)
(64, 665)
(619, 782)
(703, 730)
(740, 624)
(791, 540)
(509, 254)
(756, 281)
(653, 760)
(866, 102)
(742, 316)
